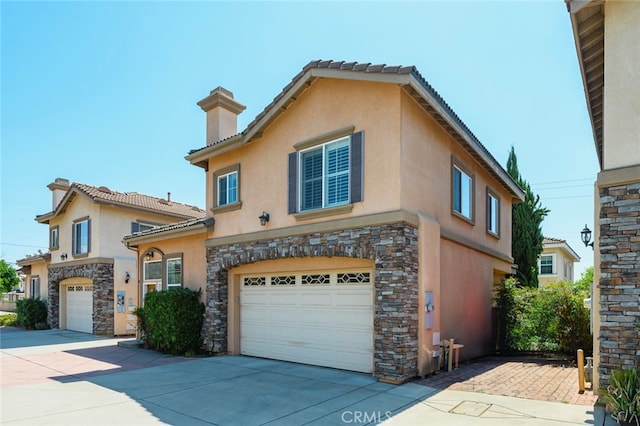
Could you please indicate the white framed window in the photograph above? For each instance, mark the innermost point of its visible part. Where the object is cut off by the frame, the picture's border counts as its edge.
(174, 272)
(462, 192)
(326, 171)
(547, 264)
(226, 184)
(81, 238)
(34, 288)
(324, 175)
(228, 188)
(54, 238)
(493, 213)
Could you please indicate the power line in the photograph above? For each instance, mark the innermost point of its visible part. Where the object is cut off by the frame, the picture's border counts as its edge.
(22, 245)
(563, 181)
(565, 197)
(563, 187)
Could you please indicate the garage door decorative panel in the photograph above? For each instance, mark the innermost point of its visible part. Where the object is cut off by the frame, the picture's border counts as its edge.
(316, 318)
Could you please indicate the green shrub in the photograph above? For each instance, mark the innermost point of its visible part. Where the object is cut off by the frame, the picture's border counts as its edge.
(623, 396)
(32, 313)
(172, 321)
(9, 320)
(549, 319)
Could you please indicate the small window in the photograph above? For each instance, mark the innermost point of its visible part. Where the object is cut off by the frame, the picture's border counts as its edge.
(546, 264)
(174, 273)
(34, 288)
(493, 213)
(81, 237)
(152, 270)
(228, 189)
(226, 183)
(462, 192)
(54, 238)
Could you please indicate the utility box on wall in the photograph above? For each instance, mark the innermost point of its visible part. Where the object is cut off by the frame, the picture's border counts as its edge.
(428, 310)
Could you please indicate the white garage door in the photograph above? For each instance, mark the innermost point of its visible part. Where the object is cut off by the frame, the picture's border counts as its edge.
(80, 308)
(322, 318)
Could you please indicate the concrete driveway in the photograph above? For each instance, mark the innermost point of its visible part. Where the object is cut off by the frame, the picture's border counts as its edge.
(58, 377)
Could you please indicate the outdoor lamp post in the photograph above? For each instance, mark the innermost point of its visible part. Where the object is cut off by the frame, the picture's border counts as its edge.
(586, 237)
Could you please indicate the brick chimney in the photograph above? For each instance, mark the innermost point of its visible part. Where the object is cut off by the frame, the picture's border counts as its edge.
(58, 188)
(222, 114)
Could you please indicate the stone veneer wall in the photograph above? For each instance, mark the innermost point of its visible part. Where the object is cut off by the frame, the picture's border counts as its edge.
(394, 249)
(102, 276)
(619, 339)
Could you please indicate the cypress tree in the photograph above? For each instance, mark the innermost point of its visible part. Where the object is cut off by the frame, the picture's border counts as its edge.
(526, 221)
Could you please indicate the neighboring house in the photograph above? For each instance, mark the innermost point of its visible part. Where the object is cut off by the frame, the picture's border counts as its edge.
(35, 273)
(88, 277)
(606, 34)
(556, 261)
(358, 222)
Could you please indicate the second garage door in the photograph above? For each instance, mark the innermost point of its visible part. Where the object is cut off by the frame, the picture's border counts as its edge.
(80, 308)
(322, 318)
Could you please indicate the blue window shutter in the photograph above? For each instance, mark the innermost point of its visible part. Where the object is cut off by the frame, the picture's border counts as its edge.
(357, 167)
(135, 227)
(293, 182)
(73, 239)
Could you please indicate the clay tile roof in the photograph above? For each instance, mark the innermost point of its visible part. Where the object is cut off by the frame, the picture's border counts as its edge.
(206, 221)
(140, 201)
(550, 240)
(442, 113)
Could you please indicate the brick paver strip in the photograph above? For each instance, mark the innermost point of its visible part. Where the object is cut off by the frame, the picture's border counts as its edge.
(538, 379)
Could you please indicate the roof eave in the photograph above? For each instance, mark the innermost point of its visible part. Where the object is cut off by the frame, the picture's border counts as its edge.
(200, 157)
(574, 7)
(195, 229)
(466, 138)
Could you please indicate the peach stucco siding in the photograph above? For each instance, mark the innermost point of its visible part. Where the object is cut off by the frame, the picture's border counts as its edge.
(193, 253)
(407, 167)
(622, 94)
(328, 106)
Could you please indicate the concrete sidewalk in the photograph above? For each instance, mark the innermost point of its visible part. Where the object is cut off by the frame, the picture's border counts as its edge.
(100, 384)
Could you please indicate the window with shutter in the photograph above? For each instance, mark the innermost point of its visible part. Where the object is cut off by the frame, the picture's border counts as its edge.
(326, 175)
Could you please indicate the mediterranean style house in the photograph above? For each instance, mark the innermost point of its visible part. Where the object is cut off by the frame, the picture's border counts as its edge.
(606, 34)
(556, 261)
(88, 277)
(358, 222)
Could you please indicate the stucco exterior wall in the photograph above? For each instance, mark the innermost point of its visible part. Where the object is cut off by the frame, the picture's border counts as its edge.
(427, 152)
(622, 91)
(328, 106)
(39, 270)
(194, 260)
(467, 296)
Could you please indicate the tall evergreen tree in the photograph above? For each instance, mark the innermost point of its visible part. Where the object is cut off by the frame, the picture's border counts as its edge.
(526, 229)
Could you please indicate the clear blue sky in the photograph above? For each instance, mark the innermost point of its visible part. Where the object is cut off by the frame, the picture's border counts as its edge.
(105, 93)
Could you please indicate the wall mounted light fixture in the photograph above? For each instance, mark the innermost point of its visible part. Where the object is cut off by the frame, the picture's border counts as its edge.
(127, 277)
(149, 255)
(264, 218)
(586, 237)
(63, 256)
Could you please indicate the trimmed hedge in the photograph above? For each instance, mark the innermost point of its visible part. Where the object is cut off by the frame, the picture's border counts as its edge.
(32, 313)
(171, 321)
